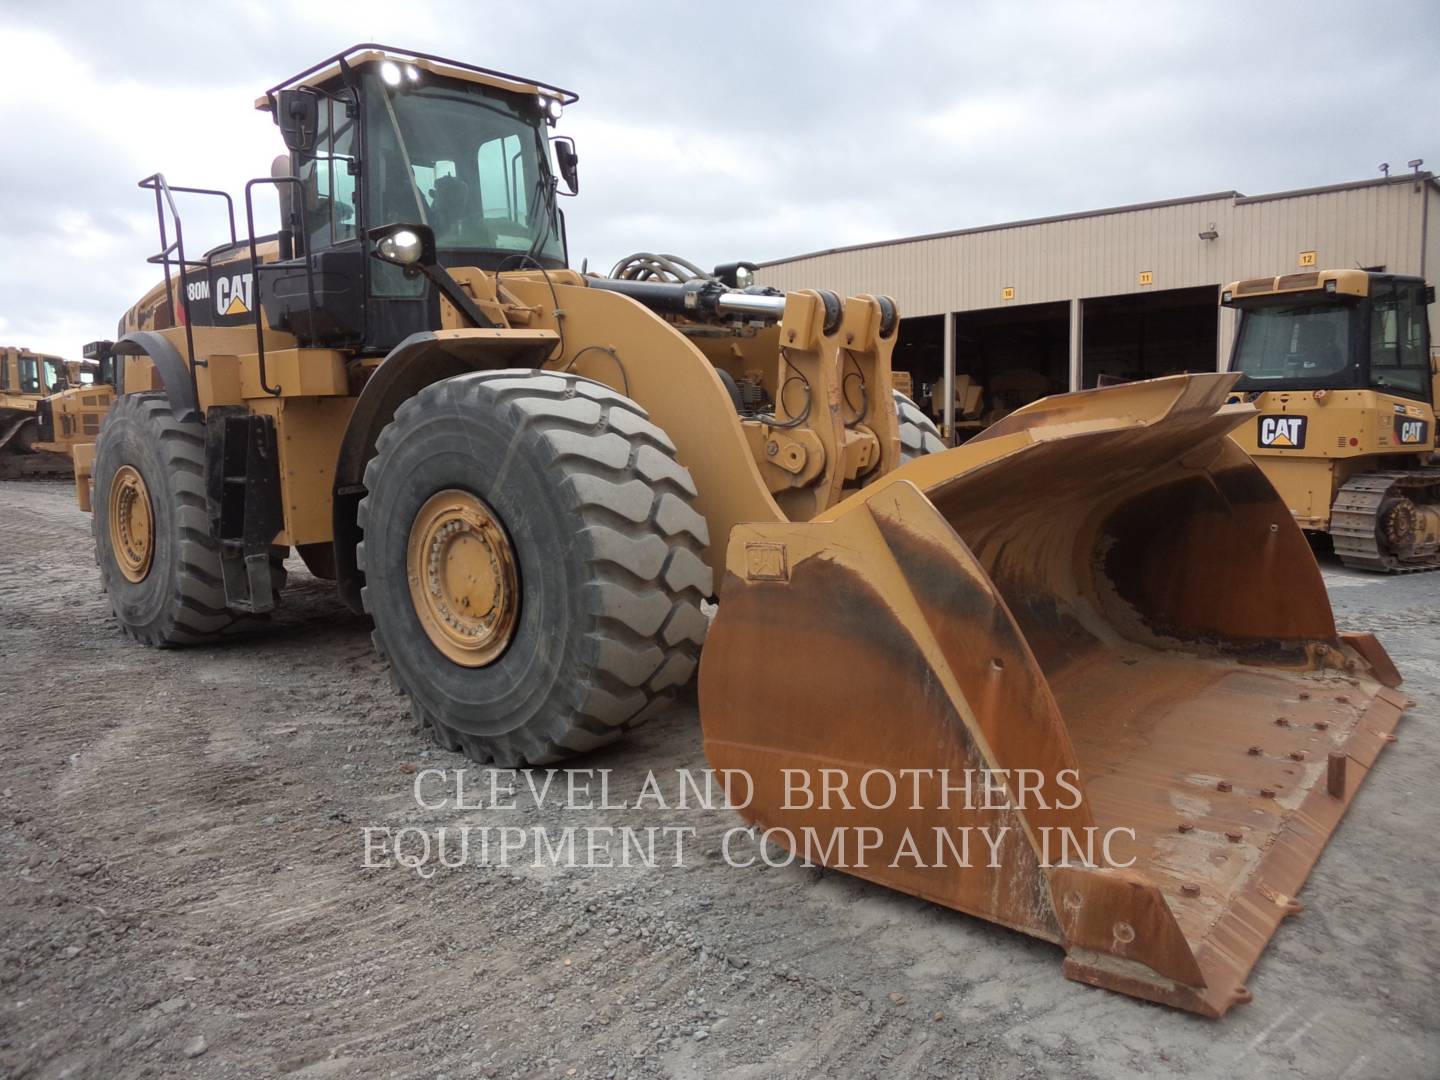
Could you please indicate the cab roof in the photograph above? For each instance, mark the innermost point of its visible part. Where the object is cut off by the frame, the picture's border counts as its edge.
(1343, 282)
(370, 52)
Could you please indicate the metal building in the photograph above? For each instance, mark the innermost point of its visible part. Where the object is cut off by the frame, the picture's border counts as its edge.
(1008, 313)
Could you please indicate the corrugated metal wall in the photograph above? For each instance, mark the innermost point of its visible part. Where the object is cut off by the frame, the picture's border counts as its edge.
(1104, 254)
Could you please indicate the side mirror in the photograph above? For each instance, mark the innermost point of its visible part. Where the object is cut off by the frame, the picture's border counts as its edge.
(297, 112)
(407, 246)
(568, 162)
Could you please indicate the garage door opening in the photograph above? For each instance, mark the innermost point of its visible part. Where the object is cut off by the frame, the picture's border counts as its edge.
(1144, 336)
(1006, 358)
(920, 354)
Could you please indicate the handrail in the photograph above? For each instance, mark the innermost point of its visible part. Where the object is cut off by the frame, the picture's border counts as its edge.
(164, 198)
(255, 265)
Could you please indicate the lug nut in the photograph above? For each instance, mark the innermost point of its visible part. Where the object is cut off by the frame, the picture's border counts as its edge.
(1267, 793)
(1190, 889)
(1282, 721)
(1254, 751)
(1297, 755)
(1234, 837)
(1304, 695)
(1184, 826)
(1223, 785)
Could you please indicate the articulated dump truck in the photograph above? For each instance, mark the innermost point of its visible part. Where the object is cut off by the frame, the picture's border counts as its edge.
(1095, 621)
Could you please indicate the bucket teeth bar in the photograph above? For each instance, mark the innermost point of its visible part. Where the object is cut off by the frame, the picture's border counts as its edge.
(1079, 677)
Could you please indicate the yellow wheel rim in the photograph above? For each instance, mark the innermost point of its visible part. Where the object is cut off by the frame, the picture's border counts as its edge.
(463, 584)
(132, 523)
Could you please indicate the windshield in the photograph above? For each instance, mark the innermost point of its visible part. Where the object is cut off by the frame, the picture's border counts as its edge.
(1302, 345)
(467, 160)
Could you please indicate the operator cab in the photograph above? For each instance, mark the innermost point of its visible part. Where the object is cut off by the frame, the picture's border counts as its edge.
(1333, 330)
(379, 136)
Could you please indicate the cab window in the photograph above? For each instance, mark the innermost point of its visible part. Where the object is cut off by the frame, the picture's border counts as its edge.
(328, 176)
(1398, 359)
(29, 375)
(501, 173)
(54, 376)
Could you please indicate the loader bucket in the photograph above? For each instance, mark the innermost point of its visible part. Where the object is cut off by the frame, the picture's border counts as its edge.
(1104, 613)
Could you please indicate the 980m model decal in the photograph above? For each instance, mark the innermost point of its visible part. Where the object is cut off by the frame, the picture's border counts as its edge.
(225, 298)
(1282, 432)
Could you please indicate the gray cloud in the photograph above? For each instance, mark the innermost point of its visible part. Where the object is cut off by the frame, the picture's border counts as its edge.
(720, 131)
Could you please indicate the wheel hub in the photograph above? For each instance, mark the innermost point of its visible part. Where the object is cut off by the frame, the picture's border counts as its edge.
(462, 577)
(132, 523)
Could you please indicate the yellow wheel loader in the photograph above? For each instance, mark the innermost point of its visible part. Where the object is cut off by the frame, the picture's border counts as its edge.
(1338, 366)
(47, 407)
(531, 479)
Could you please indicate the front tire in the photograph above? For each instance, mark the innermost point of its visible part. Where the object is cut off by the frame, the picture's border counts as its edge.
(918, 434)
(158, 563)
(534, 564)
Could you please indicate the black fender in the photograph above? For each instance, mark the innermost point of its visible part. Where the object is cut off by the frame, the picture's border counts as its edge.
(179, 384)
(417, 362)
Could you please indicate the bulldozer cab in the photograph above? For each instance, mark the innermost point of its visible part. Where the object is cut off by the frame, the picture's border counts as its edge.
(377, 138)
(27, 374)
(1334, 330)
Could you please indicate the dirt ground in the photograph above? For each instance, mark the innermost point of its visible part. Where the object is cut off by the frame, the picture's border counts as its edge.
(182, 891)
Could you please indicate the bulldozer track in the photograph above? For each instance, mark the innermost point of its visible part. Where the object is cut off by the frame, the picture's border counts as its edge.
(1355, 520)
(18, 461)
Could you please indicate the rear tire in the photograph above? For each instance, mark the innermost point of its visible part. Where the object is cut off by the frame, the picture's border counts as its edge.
(918, 434)
(168, 591)
(587, 516)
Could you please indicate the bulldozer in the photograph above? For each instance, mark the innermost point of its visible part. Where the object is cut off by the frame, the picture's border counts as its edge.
(533, 480)
(1338, 366)
(47, 407)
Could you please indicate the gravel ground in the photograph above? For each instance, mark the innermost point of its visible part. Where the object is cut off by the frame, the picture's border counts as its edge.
(182, 891)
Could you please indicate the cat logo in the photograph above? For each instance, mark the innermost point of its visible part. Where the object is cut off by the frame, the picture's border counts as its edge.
(1282, 432)
(233, 295)
(1410, 432)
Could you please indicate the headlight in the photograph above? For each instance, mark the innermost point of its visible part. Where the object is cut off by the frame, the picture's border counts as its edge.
(390, 72)
(552, 107)
(743, 277)
(402, 248)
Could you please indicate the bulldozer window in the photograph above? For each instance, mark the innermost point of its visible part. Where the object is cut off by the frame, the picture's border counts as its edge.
(1305, 345)
(29, 375)
(1398, 349)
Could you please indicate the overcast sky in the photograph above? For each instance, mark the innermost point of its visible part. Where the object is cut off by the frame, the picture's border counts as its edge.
(715, 131)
